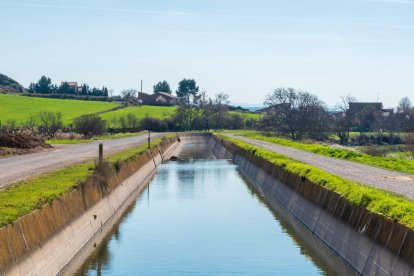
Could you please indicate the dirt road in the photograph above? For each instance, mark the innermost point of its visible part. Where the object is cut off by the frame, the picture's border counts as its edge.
(17, 168)
(396, 182)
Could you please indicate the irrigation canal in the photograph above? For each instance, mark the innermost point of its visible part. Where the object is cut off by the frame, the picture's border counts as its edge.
(202, 217)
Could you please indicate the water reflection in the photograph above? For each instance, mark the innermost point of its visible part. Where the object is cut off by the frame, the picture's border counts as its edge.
(202, 218)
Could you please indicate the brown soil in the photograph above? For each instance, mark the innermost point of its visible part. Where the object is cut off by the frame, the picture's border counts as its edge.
(21, 141)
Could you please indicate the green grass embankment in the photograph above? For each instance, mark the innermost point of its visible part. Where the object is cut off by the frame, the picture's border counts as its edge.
(20, 109)
(27, 196)
(395, 207)
(390, 163)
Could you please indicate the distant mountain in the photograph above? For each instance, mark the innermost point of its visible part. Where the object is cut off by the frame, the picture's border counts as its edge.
(8, 85)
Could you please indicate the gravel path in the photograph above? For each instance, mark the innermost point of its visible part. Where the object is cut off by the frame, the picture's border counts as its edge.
(396, 182)
(17, 168)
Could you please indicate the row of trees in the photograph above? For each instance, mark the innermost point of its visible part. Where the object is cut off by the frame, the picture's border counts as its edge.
(185, 86)
(45, 86)
(299, 114)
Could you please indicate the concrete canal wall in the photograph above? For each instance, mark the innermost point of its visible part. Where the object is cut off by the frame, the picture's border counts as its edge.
(367, 242)
(45, 241)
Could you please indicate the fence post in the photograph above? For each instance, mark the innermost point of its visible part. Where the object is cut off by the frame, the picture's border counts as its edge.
(100, 154)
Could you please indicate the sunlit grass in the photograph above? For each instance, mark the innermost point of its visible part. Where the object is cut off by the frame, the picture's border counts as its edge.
(20, 108)
(393, 206)
(26, 196)
(390, 163)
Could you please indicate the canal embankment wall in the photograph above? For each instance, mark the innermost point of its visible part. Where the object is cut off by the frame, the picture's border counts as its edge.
(45, 241)
(369, 243)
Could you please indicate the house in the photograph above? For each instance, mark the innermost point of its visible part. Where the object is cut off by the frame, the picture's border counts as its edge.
(374, 107)
(73, 85)
(158, 98)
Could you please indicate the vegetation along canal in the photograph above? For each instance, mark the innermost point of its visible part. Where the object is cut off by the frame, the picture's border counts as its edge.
(202, 217)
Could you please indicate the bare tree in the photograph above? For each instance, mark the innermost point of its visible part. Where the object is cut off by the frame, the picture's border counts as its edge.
(296, 113)
(404, 105)
(344, 118)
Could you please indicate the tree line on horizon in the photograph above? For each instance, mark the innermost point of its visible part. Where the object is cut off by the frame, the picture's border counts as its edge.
(45, 86)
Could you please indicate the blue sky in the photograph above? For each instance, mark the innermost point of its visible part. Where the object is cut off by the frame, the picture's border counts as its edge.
(242, 48)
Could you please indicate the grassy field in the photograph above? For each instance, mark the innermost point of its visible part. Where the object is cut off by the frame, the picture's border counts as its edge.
(20, 108)
(26, 196)
(247, 115)
(83, 141)
(382, 202)
(390, 163)
(140, 112)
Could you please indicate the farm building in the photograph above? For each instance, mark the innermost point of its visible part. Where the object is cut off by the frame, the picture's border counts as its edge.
(158, 98)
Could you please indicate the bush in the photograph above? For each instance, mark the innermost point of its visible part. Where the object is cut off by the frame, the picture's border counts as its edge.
(89, 125)
(153, 124)
(50, 123)
(68, 136)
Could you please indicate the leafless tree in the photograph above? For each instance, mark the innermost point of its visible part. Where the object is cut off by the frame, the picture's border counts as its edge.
(343, 120)
(296, 113)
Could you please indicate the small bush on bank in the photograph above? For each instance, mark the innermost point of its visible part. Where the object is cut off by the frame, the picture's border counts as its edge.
(89, 125)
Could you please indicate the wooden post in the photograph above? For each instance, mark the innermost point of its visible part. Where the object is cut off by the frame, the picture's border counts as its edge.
(100, 154)
(149, 139)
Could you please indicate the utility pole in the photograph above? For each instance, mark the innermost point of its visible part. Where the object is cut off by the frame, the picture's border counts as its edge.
(100, 154)
(141, 86)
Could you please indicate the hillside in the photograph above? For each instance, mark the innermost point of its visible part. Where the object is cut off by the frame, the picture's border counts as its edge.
(8, 85)
(20, 109)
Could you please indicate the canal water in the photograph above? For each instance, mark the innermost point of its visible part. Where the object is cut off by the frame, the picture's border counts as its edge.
(201, 218)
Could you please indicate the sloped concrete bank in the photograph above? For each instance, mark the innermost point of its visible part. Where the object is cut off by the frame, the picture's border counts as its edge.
(45, 241)
(368, 243)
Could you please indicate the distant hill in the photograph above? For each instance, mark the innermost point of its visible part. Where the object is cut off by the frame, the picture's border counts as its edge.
(8, 85)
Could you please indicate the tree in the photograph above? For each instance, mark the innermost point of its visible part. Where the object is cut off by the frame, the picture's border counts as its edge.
(128, 93)
(296, 113)
(162, 86)
(43, 86)
(187, 86)
(344, 119)
(89, 125)
(66, 89)
(219, 109)
(404, 105)
(50, 123)
(85, 89)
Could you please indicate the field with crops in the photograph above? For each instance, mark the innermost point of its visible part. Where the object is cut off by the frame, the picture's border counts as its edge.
(20, 109)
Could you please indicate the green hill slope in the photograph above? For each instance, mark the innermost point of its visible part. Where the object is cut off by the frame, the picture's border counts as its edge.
(19, 108)
(140, 112)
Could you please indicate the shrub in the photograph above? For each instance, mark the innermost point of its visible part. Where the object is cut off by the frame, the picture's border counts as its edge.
(50, 123)
(89, 125)
(60, 135)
